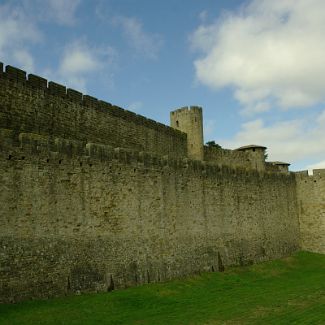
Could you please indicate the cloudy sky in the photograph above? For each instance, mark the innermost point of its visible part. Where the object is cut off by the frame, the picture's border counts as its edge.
(256, 67)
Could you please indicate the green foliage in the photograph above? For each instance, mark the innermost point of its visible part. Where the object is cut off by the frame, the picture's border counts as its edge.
(213, 144)
(287, 291)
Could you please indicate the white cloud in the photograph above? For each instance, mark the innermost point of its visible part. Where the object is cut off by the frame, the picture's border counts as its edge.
(321, 119)
(16, 32)
(15, 26)
(203, 15)
(270, 52)
(62, 12)
(290, 141)
(208, 128)
(144, 43)
(20, 26)
(79, 60)
(24, 59)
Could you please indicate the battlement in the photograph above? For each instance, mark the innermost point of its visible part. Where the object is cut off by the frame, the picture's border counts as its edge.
(314, 173)
(62, 151)
(228, 157)
(187, 109)
(35, 94)
(52, 88)
(33, 104)
(319, 172)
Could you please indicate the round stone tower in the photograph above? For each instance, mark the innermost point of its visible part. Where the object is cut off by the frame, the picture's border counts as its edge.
(190, 121)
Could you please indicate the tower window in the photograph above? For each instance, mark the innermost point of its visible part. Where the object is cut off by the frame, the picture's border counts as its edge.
(177, 123)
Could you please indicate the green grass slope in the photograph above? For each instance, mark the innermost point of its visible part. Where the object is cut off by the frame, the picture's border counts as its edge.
(287, 291)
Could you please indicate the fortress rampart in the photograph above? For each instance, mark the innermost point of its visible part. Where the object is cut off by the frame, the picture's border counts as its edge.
(50, 109)
(84, 210)
(234, 158)
(311, 205)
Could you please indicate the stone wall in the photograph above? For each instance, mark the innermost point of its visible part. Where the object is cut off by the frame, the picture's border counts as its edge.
(78, 218)
(311, 202)
(95, 198)
(227, 157)
(34, 105)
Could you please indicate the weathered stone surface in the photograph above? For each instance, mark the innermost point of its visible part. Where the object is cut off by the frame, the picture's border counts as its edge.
(190, 121)
(73, 223)
(311, 202)
(96, 198)
(54, 113)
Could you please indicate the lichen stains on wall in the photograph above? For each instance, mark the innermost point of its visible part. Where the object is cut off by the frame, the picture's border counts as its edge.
(73, 222)
(95, 198)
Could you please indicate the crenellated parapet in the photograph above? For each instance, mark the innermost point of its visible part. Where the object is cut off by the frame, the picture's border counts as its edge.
(313, 174)
(277, 166)
(35, 147)
(52, 88)
(31, 103)
(233, 158)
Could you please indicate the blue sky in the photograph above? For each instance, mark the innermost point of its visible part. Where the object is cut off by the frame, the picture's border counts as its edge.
(256, 67)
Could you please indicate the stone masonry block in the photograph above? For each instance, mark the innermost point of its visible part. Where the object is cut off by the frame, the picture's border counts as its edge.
(74, 95)
(57, 89)
(15, 73)
(89, 101)
(37, 81)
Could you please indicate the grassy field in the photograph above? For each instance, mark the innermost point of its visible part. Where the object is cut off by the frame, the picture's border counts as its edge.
(287, 291)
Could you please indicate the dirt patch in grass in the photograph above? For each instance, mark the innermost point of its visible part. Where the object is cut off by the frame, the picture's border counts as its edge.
(166, 292)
